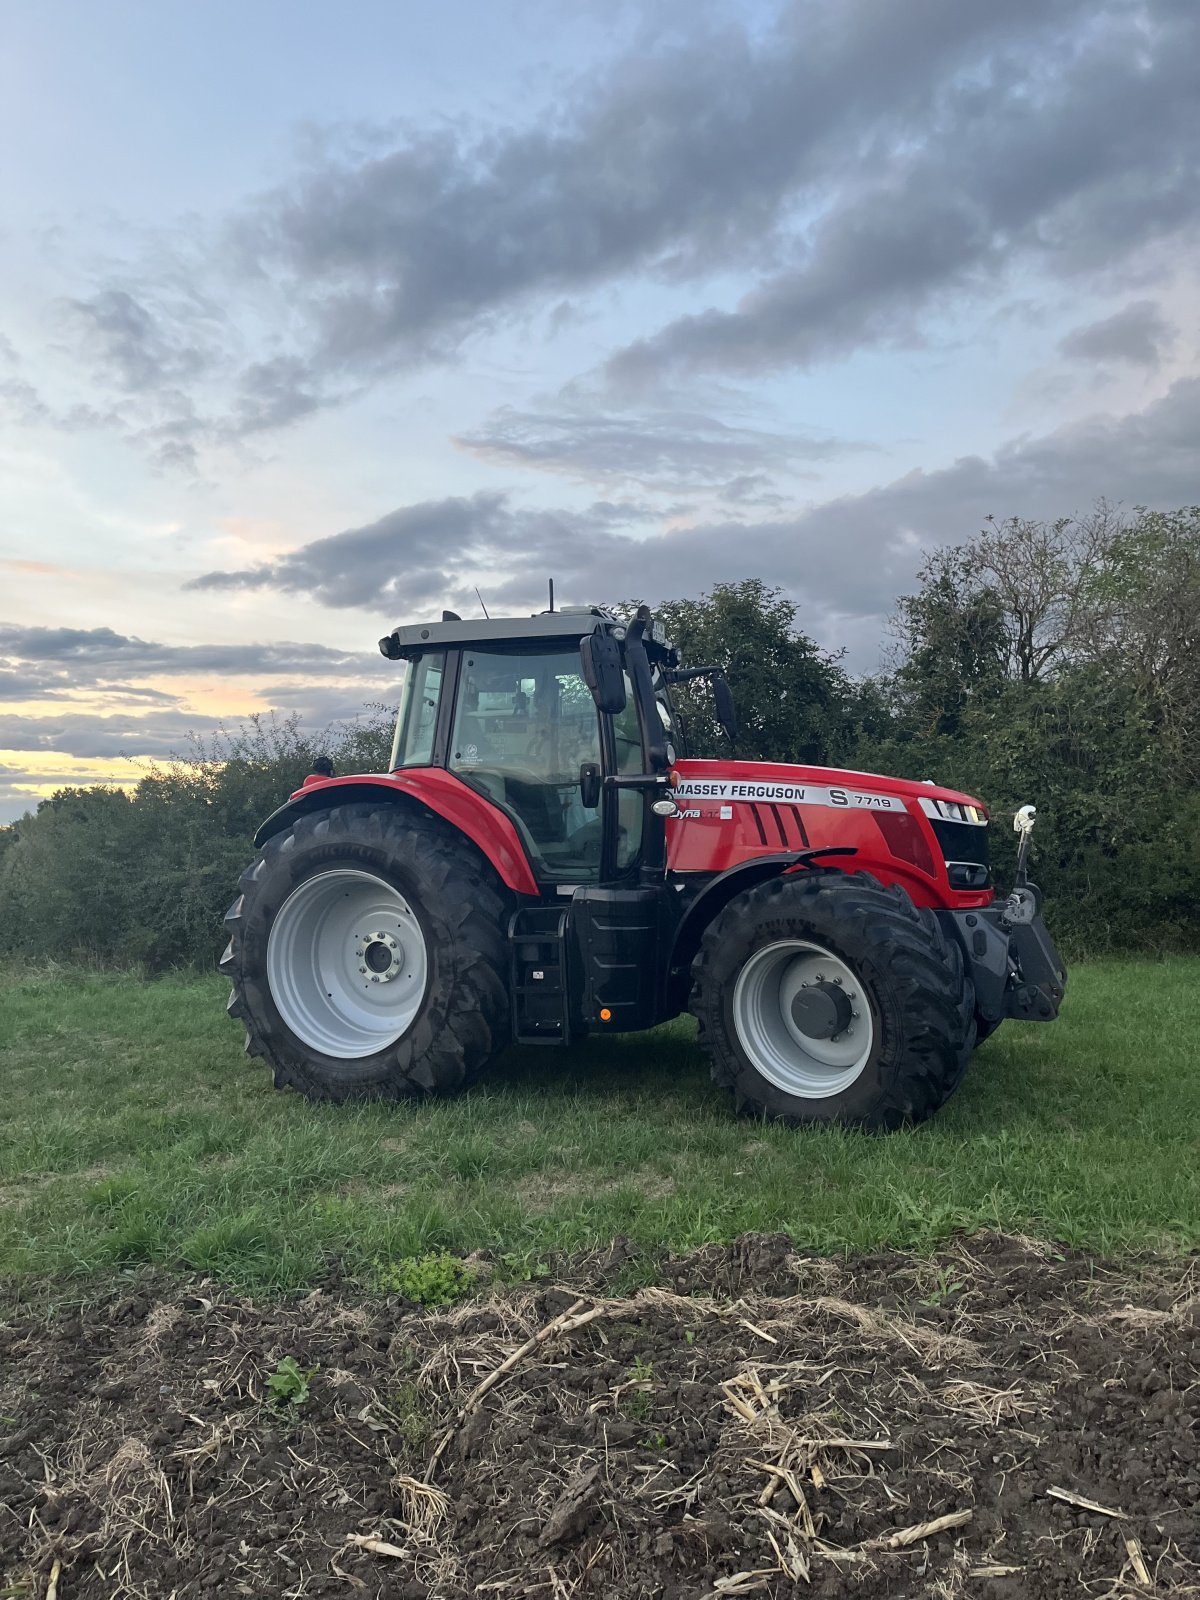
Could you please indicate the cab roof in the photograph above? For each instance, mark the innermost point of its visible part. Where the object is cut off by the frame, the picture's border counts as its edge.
(569, 624)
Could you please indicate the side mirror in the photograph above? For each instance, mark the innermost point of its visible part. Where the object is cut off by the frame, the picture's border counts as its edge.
(600, 662)
(723, 701)
(589, 785)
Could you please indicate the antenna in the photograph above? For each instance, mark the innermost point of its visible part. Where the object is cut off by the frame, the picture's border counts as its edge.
(552, 594)
(479, 597)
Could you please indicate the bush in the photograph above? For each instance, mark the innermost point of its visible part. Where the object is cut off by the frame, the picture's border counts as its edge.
(144, 878)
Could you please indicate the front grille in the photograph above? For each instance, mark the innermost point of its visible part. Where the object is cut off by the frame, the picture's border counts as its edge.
(965, 852)
(962, 841)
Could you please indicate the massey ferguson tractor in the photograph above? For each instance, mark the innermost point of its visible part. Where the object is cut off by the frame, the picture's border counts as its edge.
(544, 861)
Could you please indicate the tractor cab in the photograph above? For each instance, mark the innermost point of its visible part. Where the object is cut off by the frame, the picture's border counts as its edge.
(562, 721)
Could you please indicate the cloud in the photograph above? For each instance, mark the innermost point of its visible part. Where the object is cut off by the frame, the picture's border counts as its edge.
(102, 716)
(863, 162)
(1138, 334)
(1021, 159)
(132, 346)
(99, 657)
(19, 399)
(28, 685)
(274, 393)
(677, 162)
(674, 450)
(83, 734)
(407, 556)
(845, 559)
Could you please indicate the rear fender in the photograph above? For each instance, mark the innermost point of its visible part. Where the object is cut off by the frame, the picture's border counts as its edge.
(713, 899)
(457, 803)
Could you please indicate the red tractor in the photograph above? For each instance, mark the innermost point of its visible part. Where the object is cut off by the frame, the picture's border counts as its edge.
(543, 861)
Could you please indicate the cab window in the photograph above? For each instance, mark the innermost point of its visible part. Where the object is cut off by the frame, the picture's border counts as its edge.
(413, 744)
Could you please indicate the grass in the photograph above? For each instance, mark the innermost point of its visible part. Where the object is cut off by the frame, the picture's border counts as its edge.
(134, 1131)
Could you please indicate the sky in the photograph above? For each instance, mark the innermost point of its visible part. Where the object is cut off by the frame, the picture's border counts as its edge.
(316, 319)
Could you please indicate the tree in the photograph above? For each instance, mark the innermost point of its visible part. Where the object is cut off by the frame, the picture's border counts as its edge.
(792, 698)
(1143, 624)
(1016, 603)
(953, 641)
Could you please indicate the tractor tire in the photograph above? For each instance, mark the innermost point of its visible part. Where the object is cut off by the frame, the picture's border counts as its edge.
(367, 954)
(826, 998)
(985, 1029)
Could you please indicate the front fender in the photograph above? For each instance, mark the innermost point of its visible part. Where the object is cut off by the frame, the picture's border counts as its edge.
(487, 827)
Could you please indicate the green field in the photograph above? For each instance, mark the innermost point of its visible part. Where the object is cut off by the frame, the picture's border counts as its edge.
(134, 1131)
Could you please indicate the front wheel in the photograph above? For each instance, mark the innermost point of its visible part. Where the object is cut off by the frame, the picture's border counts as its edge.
(825, 997)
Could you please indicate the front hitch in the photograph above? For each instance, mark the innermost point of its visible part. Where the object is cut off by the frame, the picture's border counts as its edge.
(1011, 958)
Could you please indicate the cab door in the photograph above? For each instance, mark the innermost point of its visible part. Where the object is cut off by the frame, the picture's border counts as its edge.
(524, 722)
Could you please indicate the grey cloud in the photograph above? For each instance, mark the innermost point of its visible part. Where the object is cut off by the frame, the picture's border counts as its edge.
(867, 162)
(133, 346)
(752, 489)
(324, 706)
(19, 399)
(678, 162)
(274, 393)
(1024, 160)
(675, 450)
(61, 685)
(134, 720)
(159, 735)
(846, 559)
(92, 656)
(1138, 334)
(407, 553)
(86, 735)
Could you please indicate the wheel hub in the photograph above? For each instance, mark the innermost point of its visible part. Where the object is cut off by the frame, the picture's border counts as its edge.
(803, 1018)
(822, 1010)
(380, 954)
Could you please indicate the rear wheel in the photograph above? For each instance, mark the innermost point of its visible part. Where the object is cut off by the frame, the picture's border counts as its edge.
(367, 956)
(827, 998)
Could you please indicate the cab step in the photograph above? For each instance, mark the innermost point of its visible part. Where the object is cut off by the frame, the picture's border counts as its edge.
(539, 975)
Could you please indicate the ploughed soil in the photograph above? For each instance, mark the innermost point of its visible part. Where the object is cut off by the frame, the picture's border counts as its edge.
(1003, 1421)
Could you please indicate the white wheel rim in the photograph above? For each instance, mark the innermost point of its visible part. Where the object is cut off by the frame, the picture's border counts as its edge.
(347, 964)
(765, 1000)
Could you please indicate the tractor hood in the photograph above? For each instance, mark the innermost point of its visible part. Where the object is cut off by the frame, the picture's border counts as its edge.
(777, 780)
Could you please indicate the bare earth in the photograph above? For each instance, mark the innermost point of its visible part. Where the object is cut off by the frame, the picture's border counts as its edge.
(999, 1422)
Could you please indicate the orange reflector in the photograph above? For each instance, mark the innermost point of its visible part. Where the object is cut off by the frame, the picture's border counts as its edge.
(605, 1014)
